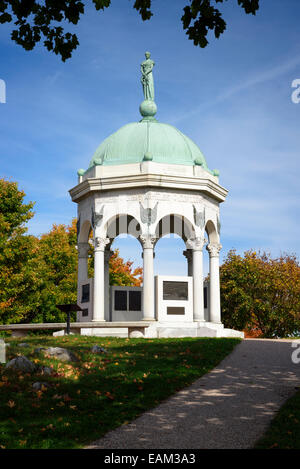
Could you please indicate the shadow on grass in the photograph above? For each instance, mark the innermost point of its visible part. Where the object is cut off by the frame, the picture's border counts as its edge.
(99, 392)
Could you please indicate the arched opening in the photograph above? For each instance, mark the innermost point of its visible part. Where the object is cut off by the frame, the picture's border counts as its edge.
(169, 258)
(172, 232)
(123, 269)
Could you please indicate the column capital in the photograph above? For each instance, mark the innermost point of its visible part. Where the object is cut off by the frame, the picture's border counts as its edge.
(100, 243)
(188, 253)
(148, 240)
(214, 249)
(196, 244)
(83, 249)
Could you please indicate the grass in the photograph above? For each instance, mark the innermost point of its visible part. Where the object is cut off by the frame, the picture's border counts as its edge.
(284, 430)
(99, 392)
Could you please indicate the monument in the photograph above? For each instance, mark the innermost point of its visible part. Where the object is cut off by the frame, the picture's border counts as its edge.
(148, 180)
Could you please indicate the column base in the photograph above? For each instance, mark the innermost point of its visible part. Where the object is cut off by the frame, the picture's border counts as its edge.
(98, 320)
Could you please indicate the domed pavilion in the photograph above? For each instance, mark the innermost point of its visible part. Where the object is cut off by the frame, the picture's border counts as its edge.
(148, 180)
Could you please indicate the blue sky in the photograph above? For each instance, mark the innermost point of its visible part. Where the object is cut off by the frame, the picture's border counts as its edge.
(232, 98)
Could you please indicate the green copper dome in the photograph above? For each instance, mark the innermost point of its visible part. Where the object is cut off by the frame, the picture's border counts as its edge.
(148, 140)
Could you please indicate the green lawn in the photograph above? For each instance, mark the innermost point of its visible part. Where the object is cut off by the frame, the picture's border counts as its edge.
(100, 392)
(284, 430)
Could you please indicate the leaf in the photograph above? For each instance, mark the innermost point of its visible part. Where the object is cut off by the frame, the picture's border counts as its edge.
(11, 404)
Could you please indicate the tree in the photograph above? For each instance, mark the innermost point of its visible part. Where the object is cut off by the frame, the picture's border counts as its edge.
(16, 252)
(55, 264)
(120, 272)
(36, 274)
(36, 19)
(261, 294)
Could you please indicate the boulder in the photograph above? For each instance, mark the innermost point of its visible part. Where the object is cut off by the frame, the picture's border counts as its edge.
(38, 350)
(46, 370)
(136, 335)
(21, 363)
(38, 386)
(98, 349)
(62, 354)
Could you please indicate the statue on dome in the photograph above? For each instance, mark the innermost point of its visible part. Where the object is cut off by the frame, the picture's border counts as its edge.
(147, 77)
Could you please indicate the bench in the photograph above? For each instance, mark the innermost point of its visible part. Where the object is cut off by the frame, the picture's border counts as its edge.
(20, 330)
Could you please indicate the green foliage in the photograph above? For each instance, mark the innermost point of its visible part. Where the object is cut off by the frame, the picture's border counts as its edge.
(261, 294)
(284, 430)
(16, 250)
(36, 274)
(35, 20)
(100, 392)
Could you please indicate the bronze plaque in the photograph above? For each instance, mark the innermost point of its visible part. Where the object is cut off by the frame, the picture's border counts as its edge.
(176, 310)
(85, 297)
(120, 300)
(173, 290)
(135, 300)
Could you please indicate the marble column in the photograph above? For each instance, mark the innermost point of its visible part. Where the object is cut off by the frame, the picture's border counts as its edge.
(214, 282)
(107, 256)
(148, 277)
(83, 249)
(188, 253)
(197, 247)
(99, 290)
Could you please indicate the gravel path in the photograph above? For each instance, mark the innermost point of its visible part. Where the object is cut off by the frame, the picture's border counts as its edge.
(230, 407)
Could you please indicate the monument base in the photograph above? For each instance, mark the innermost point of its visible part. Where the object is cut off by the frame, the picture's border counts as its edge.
(158, 330)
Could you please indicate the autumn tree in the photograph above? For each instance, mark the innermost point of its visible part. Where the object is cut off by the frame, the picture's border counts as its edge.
(55, 264)
(17, 279)
(35, 20)
(260, 293)
(120, 272)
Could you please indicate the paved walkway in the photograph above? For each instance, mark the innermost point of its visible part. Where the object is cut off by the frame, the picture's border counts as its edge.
(230, 407)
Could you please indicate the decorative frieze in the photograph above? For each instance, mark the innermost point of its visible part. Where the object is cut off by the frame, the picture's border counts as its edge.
(199, 217)
(148, 215)
(97, 217)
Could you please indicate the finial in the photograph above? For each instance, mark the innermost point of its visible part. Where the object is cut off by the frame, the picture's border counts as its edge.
(148, 107)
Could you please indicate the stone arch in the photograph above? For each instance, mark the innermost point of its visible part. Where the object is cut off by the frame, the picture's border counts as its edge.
(212, 232)
(122, 223)
(84, 231)
(177, 224)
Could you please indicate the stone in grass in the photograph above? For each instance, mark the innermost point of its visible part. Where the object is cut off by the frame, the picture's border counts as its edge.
(21, 363)
(38, 350)
(62, 354)
(40, 386)
(23, 344)
(45, 370)
(98, 349)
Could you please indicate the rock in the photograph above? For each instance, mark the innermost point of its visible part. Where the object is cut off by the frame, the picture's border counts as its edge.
(23, 344)
(98, 349)
(21, 363)
(136, 335)
(41, 386)
(46, 370)
(62, 354)
(60, 333)
(38, 350)
(2, 351)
